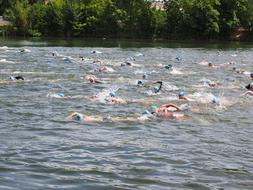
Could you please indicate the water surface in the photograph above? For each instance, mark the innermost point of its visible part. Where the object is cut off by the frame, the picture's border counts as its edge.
(40, 149)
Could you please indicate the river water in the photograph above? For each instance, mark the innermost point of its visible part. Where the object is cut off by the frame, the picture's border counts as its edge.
(41, 149)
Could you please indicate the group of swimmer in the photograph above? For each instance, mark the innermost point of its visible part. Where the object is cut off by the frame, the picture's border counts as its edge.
(152, 88)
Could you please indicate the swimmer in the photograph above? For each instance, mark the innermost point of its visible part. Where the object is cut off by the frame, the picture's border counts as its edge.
(158, 89)
(112, 99)
(167, 111)
(81, 57)
(115, 100)
(97, 62)
(181, 96)
(95, 52)
(240, 71)
(76, 116)
(83, 118)
(104, 69)
(250, 90)
(145, 76)
(126, 63)
(16, 78)
(92, 79)
(249, 86)
(169, 67)
(210, 83)
(210, 64)
(60, 95)
(247, 93)
(24, 50)
(140, 83)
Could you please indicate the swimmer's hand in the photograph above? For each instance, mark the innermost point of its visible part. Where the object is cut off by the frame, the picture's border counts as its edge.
(72, 115)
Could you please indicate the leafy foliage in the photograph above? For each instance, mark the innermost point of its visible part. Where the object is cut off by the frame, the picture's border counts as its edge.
(128, 18)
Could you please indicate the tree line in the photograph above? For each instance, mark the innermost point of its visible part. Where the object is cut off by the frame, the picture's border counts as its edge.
(194, 19)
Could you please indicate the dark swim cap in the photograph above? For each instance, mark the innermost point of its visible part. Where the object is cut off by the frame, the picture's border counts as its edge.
(169, 66)
(145, 76)
(139, 82)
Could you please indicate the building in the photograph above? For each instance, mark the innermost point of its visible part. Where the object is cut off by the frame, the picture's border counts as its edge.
(158, 4)
(4, 25)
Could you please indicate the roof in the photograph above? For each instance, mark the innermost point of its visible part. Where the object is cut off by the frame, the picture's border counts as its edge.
(5, 23)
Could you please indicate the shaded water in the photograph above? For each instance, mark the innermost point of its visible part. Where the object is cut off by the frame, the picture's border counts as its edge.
(40, 149)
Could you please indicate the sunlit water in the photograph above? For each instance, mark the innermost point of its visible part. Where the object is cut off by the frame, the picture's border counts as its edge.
(40, 149)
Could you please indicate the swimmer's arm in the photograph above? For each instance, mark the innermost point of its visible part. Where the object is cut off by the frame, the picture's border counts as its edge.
(181, 117)
(72, 115)
(248, 92)
(171, 105)
(126, 119)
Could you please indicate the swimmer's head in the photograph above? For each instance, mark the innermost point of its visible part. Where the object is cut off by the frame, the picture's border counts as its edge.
(140, 82)
(61, 94)
(128, 63)
(181, 94)
(251, 85)
(12, 78)
(156, 89)
(214, 100)
(145, 76)
(210, 64)
(169, 66)
(112, 94)
(146, 112)
(248, 86)
(251, 75)
(153, 108)
(78, 117)
(234, 68)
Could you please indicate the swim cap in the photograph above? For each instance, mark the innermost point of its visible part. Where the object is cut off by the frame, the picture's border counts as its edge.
(153, 107)
(169, 66)
(215, 99)
(12, 78)
(148, 92)
(128, 63)
(210, 63)
(181, 93)
(61, 94)
(251, 85)
(156, 89)
(146, 112)
(144, 76)
(78, 117)
(112, 94)
(139, 82)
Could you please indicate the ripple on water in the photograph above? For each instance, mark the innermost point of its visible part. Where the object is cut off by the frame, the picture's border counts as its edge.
(40, 149)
